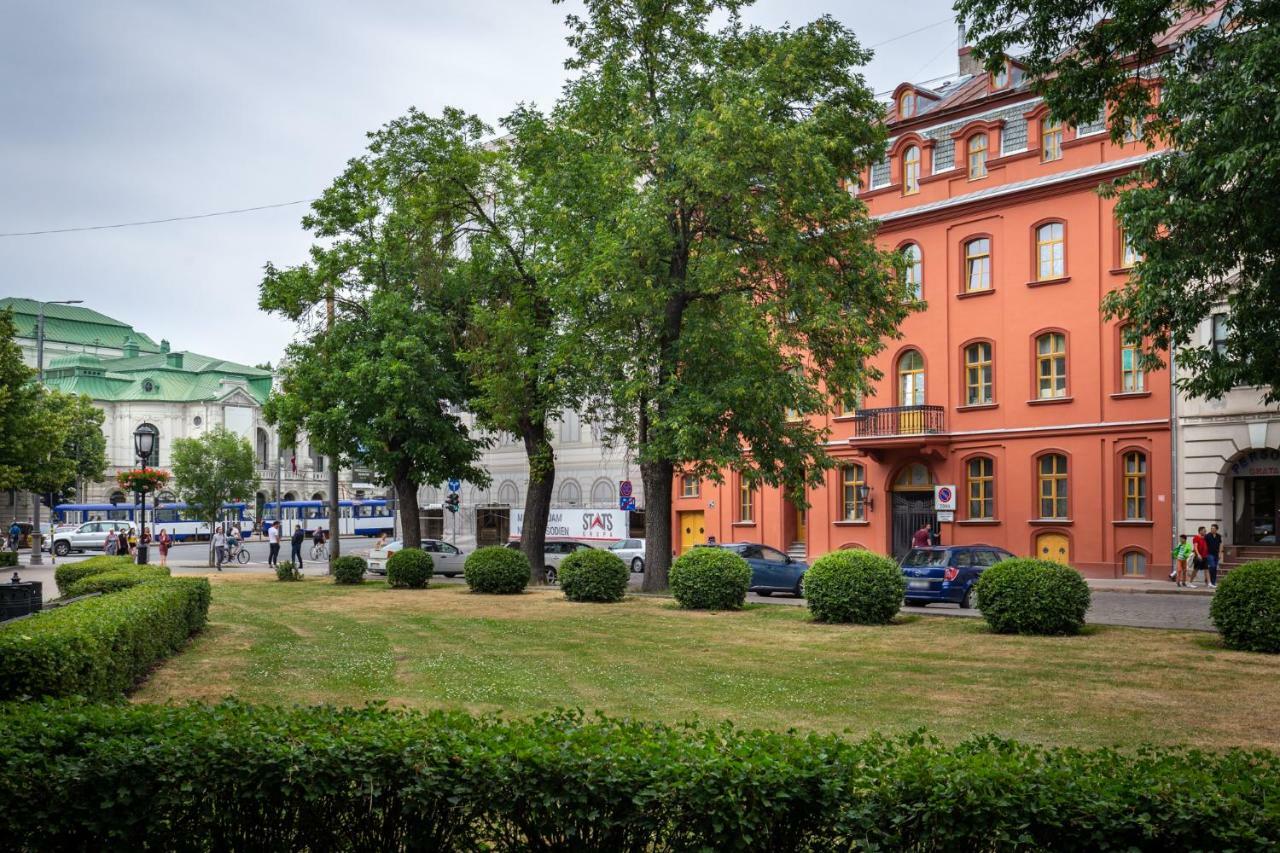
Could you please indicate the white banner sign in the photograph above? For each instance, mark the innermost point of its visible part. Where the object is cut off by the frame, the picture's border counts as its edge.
(589, 524)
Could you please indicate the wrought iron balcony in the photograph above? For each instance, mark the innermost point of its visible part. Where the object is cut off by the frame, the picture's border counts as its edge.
(894, 421)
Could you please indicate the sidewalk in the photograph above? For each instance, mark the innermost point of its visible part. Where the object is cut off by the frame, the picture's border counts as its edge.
(1144, 585)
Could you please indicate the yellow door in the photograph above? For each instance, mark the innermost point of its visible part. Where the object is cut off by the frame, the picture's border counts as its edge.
(1053, 546)
(802, 524)
(692, 529)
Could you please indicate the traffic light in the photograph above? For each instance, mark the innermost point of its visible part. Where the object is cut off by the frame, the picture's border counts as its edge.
(452, 502)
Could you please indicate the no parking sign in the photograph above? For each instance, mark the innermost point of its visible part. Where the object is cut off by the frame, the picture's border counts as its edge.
(944, 498)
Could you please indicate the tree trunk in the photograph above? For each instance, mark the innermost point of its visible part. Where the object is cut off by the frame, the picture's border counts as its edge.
(407, 507)
(657, 524)
(537, 500)
(335, 515)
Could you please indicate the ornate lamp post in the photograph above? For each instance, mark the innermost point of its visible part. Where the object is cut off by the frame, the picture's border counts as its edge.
(144, 442)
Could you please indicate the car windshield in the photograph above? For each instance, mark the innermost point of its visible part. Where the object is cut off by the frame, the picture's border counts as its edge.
(926, 557)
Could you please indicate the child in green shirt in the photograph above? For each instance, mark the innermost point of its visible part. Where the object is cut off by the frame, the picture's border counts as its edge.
(1181, 554)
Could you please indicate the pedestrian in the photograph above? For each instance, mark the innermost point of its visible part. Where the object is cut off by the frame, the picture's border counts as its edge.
(1214, 540)
(295, 545)
(122, 543)
(219, 547)
(317, 540)
(273, 546)
(164, 542)
(110, 546)
(1199, 562)
(923, 537)
(15, 534)
(1185, 551)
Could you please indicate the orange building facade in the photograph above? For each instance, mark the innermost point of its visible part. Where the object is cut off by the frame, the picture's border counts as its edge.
(1009, 384)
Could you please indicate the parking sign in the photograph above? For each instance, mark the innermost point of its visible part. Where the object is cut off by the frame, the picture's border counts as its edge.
(944, 498)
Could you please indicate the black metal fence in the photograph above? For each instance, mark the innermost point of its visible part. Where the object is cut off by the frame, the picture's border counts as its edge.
(899, 420)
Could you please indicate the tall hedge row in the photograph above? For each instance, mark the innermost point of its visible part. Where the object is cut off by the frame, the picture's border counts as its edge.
(237, 777)
(69, 573)
(100, 647)
(116, 580)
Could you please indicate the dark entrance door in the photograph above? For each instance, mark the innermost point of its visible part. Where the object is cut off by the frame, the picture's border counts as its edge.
(910, 510)
(1257, 503)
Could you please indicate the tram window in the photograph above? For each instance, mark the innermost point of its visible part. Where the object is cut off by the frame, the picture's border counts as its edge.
(118, 515)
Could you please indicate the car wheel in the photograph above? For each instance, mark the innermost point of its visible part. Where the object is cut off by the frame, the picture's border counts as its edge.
(62, 549)
(966, 601)
(799, 591)
(764, 592)
(551, 575)
(451, 574)
(914, 602)
(637, 565)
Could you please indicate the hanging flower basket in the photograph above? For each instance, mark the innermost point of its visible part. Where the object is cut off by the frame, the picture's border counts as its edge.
(142, 480)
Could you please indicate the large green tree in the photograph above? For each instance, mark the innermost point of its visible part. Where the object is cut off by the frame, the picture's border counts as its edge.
(19, 397)
(84, 442)
(719, 276)
(213, 469)
(1201, 213)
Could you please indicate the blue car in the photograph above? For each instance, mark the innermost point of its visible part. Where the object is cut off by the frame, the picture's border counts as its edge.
(771, 570)
(947, 572)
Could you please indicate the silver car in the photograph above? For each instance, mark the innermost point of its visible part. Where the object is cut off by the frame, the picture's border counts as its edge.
(446, 559)
(631, 551)
(553, 553)
(90, 536)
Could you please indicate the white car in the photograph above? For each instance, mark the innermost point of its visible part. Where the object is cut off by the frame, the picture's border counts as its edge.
(631, 551)
(90, 536)
(445, 558)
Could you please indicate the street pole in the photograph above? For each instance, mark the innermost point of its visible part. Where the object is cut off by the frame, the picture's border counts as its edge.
(279, 486)
(36, 537)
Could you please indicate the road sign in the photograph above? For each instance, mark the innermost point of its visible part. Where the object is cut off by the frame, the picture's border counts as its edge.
(944, 498)
(454, 485)
(624, 489)
(946, 515)
(628, 504)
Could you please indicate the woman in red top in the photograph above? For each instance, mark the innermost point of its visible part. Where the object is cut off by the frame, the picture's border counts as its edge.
(164, 547)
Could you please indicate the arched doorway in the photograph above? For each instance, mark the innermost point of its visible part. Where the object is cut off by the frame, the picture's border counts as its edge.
(912, 489)
(1251, 486)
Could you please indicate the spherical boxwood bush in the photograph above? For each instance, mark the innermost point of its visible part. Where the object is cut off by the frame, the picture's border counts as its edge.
(1246, 607)
(1024, 596)
(710, 579)
(349, 570)
(409, 568)
(287, 571)
(854, 586)
(496, 570)
(592, 575)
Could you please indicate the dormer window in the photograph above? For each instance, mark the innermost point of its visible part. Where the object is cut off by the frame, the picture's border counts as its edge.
(1000, 77)
(907, 104)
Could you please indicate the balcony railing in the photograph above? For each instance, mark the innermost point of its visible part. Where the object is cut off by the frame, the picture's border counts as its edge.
(898, 420)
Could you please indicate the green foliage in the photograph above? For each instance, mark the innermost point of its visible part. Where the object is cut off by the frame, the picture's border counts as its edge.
(349, 569)
(710, 579)
(594, 575)
(65, 442)
(212, 469)
(100, 647)
(116, 580)
(19, 396)
(235, 776)
(854, 586)
(287, 571)
(1028, 596)
(409, 568)
(8, 559)
(496, 571)
(1246, 607)
(67, 574)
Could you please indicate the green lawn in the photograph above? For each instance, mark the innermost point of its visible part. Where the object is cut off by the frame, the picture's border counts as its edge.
(767, 666)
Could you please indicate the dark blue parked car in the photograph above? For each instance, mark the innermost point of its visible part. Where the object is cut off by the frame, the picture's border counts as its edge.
(947, 572)
(771, 570)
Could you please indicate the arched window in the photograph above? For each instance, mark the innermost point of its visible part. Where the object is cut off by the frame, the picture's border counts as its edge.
(1051, 365)
(570, 493)
(263, 447)
(977, 156)
(852, 480)
(979, 377)
(603, 494)
(1128, 254)
(1052, 475)
(690, 486)
(1050, 251)
(1000, 77)
(911, 379)
(911, 171)
(1135, 564)
(907, 105)
(152, 461)
(1135, 485)
(913, 476)
(1132, 377)
(1050, 139)
(977, 265)
(980, 474)
(508, 494)
(746, 500)
(914, 273)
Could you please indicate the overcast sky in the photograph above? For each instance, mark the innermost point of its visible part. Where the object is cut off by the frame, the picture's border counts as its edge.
(133, 110)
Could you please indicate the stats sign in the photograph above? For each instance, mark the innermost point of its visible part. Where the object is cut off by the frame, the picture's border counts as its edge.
(587, 524)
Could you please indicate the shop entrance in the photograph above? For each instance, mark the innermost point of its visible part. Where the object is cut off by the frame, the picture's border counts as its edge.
(1256, 511)
(493, 525)
(912, 506)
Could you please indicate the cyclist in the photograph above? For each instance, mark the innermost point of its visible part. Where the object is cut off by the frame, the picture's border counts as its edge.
(317, 543)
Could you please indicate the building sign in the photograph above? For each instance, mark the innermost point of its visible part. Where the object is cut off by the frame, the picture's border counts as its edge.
(1257, 463)
(587, 524)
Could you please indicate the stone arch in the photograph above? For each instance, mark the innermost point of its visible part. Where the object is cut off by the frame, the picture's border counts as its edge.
(570, 493)
(509, 493)
(603, 492)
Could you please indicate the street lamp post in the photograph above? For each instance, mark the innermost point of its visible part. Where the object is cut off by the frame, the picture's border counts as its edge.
(144, 442)
(36, 538)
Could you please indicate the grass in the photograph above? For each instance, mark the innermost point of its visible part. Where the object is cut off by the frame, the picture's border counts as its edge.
(767, 666)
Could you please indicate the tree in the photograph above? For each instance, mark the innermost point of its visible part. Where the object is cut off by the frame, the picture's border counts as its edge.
(84, 443)
(18, 406)
(720, 278)
(1197, 77)
(213, 469)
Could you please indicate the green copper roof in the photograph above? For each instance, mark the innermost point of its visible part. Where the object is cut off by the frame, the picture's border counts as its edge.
(174, 377)
(72, 324)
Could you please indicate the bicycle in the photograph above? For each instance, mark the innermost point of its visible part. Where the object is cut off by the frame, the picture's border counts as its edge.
(319, 551)
(237, 553)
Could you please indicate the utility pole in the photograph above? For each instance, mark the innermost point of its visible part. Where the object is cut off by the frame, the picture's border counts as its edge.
(37, 538)
(335, 523)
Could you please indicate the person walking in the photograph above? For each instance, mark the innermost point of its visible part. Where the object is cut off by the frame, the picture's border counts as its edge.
(110, 546)
(122, 543)
(1198, 562)
(15, 535)
(219, 547)
(923, 537)
(1214, 540)
(273, 546)
(295, 546)
(1185, 551)
(164, 541)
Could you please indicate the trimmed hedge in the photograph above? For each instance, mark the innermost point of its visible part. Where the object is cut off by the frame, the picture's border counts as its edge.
(69, 573)
(854, 586)
(1246, 607)
(100, 647)
(349, 570)
(710, 579)
(8, 559)
(1028, 596)
(409, 568)
(496, 570)
(238, 777)
(116, 580)
(287, 571)
(594, 575)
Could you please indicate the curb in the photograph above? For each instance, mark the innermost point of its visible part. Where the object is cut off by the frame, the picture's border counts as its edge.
(1154, 591)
